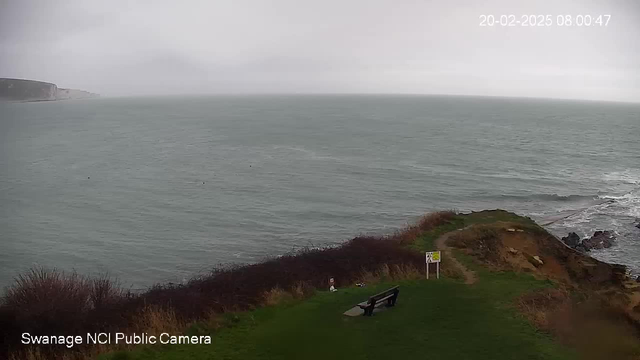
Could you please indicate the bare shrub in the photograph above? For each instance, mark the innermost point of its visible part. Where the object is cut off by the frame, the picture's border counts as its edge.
(276, 296)
(384, 272)
(156, 320)
(536, 306)
(49, 301)
(588, 323)
(302, 290)
(406, 235)
(106, 291)
(432, 220)
(368, 277)
(411, 233)
(483, 242)
(452, 272)
(402, 272)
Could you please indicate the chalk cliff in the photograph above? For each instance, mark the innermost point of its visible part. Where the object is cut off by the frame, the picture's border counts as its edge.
(65, 94)
(30, 90)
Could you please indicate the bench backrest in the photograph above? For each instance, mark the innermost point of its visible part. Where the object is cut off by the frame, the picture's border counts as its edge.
(383, 294)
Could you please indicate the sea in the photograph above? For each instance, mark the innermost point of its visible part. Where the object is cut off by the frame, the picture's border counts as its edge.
(161, 189)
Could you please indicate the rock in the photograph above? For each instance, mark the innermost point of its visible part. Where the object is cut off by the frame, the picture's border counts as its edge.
(581, 248)
(534, 260)
(520, 230)
(537, 258)
(638, 279)
(599, 240)
(637, 223)
(511, 230)
(572, 240)
(512, 251)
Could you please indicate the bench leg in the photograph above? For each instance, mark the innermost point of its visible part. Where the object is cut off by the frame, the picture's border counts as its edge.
(392, 300)
(369, 310)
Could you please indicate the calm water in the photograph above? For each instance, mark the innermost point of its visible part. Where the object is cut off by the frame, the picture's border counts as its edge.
(158, 189)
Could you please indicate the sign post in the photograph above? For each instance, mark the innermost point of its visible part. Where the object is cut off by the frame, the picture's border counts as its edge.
(433, 257)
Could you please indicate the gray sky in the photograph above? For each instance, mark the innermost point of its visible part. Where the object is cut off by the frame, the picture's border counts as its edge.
(303, 46)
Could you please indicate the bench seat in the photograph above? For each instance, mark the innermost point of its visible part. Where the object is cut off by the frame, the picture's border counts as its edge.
(387, 297)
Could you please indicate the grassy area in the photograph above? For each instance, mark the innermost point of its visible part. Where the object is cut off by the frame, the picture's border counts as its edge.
(425, 242)
(491, 216)
(438, 319)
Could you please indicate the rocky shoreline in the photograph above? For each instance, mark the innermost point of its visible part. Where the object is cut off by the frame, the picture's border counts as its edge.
(599, 240)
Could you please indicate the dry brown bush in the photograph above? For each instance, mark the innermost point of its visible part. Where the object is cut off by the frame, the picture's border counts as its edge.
(155, 320)
(585, 322)
(302, 290)
(432, 220)
(402, 272)
(481, 240)
(411, 233)
(395, 272)
(277, 296)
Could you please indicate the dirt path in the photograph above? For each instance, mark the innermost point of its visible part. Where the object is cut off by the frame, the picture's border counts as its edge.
(441, 244)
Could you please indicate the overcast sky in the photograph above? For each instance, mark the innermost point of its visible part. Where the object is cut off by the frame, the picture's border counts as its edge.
(119, 48)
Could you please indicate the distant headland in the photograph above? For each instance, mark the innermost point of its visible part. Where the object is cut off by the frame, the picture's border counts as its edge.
(31, 90)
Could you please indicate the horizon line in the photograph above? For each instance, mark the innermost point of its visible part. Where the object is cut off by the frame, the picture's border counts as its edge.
(240, 94)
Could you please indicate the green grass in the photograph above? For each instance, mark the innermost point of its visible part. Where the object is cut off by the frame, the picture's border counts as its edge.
(436, 319)
(491, 216)
(426, 241)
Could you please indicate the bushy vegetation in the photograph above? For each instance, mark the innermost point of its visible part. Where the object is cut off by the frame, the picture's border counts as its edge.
(257, 310)
(57, 303)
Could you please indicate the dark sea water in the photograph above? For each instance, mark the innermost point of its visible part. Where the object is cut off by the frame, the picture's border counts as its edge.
(159, 189)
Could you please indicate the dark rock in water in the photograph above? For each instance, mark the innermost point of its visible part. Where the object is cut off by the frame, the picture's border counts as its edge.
(581, 248)
(637, 223)
(638, 279)
(599, 240)
(572, 240)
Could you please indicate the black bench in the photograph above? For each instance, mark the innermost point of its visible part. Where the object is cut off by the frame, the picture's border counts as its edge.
(390, 295)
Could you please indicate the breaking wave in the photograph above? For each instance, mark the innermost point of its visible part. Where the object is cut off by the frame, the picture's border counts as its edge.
(550, 197)
(629, 176)
(627, 204)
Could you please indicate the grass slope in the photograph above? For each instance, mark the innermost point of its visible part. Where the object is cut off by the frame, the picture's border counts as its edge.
(438, 319)
(426, 241)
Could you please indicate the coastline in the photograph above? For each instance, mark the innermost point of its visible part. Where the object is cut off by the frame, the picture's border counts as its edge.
(299, 276)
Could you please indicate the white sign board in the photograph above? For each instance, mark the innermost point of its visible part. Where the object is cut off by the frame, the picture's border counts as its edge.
(433, 257)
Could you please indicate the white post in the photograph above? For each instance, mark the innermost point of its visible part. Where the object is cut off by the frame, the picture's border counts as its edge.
(427, 271)
(438, 271)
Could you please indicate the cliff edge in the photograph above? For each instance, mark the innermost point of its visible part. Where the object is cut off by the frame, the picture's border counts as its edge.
(31, 90)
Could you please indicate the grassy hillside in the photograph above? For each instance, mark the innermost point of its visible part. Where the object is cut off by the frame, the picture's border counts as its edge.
(425, 242)
(510, 290)
(437, 319)
(441, 319)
